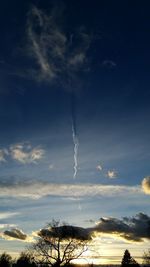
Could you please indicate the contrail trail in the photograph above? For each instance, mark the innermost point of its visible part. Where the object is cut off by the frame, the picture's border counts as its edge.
(76, 145)
(74, 136)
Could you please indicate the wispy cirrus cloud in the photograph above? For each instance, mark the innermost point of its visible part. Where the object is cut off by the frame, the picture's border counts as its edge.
(36, 190)
(6, 225)
(56, 53)
(5, 215)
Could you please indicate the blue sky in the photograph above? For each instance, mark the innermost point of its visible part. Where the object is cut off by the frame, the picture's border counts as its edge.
(98, 55)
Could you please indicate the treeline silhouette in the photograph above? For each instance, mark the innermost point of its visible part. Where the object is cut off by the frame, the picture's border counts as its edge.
(26, 259)
(59, 245)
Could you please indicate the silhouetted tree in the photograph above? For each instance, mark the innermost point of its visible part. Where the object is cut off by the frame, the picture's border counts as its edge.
(5, 260)
(25, 260)
(146, 257)
(128, 260)
(58, 245)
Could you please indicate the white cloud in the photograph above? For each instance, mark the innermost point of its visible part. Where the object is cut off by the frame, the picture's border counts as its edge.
(25, 154)
(146, 185)
(22, 152)
(36, 190)
(112, 174)
(5, 225)
(5, 215)
(36, 154)
(99, 167)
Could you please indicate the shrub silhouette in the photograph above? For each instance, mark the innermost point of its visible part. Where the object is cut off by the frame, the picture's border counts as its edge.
(146, 258)
(5, 260)
(25, 260)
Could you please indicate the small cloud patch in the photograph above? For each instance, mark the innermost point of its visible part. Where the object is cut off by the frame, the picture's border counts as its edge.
(25, 154)
(99, 167)
(15, 233)
(146, 185)
(21, 152)
(112, 174)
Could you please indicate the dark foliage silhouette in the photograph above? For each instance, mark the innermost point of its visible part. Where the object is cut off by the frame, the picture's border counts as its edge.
(128, 260)
(25, 260)
(5, 260)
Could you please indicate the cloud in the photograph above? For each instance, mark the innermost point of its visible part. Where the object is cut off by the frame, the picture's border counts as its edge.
(36, 190)
(111, 174)
(76, 60)
(25, 154)
(22, 152)
(46, 42)
(65, 232)
(6, 225)
(109, 64)
(5, 215)
(134, 229)
(130, 229)
(15, 233)
(57, 54)
(99, 167)
(146, 185)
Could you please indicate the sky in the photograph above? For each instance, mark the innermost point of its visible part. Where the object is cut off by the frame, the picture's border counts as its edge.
(74, 119)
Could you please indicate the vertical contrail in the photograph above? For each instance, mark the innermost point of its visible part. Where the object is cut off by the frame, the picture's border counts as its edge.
(74, 135)
(76, 145)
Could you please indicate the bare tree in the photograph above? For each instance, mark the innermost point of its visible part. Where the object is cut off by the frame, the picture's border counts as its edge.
(58, 245)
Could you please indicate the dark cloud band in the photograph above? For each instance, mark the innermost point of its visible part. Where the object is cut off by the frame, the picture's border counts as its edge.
(134, 229)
